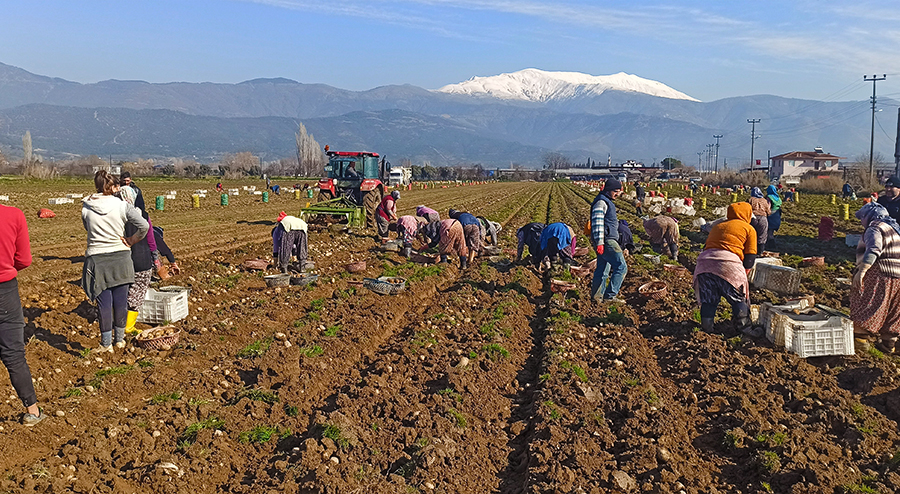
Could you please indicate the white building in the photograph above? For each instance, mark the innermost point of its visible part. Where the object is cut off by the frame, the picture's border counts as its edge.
(798, 163)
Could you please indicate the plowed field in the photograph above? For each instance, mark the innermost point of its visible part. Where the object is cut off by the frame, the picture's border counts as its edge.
(471, 382)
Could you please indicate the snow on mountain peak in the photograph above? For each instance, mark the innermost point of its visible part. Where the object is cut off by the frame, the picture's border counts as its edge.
(542, 86)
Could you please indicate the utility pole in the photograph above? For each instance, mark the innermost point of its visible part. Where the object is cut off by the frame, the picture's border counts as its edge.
(717, 137)
(873, 80)
(753, 136)
(700, 162)
(897, 147)
(709, 156)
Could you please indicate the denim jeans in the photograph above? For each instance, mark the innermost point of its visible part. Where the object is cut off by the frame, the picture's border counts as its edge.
(12, 342)
(610, 266)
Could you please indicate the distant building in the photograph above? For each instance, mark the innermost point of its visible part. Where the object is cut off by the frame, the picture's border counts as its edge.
(798, 163)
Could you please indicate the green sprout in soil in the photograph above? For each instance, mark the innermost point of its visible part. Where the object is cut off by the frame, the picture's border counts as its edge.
(495, 351)
(164, 397)
(859, 411)
(778, 438)
(473, 354)
(426, 272)
(254, 394)
(72, 392)
(256, 349)
(769, 461)
(451, 393)
(631, 381)
(554, 411)
(262, 434)
(876, 353)
(143, 364)
(40, 472)
(544, 377)
(317, 304)
(766, 487)
(298, 323)
(311, 351)
(334, 433)
(858, 488)
(869, 428)
(578, 371)
(290, 410)
(459, 418)
(100, 375)
(85, 352)
(196, 402)
(488, 330)
(424, 338)
(332, 330)
(189, 436)
(650, 396)
(731, 440)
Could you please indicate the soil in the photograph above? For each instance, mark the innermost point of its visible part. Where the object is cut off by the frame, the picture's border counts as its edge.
(470, 382)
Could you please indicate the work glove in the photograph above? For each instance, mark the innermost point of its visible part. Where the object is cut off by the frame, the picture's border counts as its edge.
(599, 250)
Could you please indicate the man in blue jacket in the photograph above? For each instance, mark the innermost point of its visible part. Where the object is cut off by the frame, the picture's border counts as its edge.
(611, 266)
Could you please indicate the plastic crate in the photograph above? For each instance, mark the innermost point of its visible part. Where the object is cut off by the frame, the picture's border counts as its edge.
(774, 261)
(775, 331)
(781, 279)
(812, 333)
(160, 307)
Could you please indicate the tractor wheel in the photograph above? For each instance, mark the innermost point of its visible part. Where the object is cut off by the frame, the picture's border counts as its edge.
(371, 202)
(324, 195)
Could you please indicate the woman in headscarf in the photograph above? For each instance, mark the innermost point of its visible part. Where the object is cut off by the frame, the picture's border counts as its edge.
(385, 213)
(774, 218)
(407, 229)
(449, 238)
(429, 214)
(875, 297)
(557, 242)
(141, 258)
(290, 238)
(722, 268)
(760, 221)
(529, 236)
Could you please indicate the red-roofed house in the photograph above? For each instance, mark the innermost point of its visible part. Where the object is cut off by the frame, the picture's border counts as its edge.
(798, 163)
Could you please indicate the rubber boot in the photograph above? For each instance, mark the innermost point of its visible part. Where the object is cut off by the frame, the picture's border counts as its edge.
(130, 322)
(463, 262)
(444, 258)
(706, 324)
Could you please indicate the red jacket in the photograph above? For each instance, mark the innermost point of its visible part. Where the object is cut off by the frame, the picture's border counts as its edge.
(387, 208)
(15, 249)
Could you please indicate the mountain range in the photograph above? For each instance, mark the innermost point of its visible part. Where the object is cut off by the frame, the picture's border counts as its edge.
(496, 121)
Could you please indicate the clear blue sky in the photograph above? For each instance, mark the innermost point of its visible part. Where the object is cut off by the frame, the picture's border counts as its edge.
(817, 49)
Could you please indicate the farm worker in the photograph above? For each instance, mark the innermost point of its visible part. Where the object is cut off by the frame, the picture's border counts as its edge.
(428, 213)
(126, 181)
(722, 268)
(15, 255)
(891, 198)
(351, 172)
(626, 238)
(760, 222)
(641, 194)
(386, 213)
(276, 189)
(664, 235)
(449, 238)
(847, 190)
(289, 238)
(268, 182)
(108, 270)
(141, 257)
(219, 187)
(407, 229)
(875, 297)
(774, 218)
(557, 240)
(489, 229)
(162, 249)
(530, 236)
(471, 229)
(611, 264)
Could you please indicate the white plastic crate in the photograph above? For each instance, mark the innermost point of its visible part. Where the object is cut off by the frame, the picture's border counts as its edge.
(74, 196)
(171, 196)
(812, 333)
(4, 198)
(780, 279)
(775, 332)
(160, 307)
(234, 192)
(774, 261)
(257, 192)
(60, 200)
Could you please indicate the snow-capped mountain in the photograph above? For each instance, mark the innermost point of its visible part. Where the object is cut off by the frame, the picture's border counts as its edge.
(543, 86)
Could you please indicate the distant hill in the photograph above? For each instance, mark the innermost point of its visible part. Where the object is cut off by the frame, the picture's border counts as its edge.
(510, 118)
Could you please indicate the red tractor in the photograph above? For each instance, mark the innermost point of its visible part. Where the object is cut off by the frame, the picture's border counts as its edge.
(354, 177)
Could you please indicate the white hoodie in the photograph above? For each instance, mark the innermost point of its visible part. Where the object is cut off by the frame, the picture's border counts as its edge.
(104, 219)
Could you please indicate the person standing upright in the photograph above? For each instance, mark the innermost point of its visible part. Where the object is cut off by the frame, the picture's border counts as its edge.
(891, 198)
(385, 213)
(15, 255)
(611, 264)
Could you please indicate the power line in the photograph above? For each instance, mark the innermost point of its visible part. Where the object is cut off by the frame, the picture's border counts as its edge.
(874, 79)
(753, 137)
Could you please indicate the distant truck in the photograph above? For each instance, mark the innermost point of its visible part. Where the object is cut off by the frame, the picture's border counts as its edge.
(399, 176)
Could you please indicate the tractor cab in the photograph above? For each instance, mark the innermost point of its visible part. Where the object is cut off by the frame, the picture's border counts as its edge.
(354, 178)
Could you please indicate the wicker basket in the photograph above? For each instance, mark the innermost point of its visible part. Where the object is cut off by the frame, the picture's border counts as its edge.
(356, 267)
(161, 338)
(581, 251)
(255, 264)
(385, 285)
(653, 290)
(580, 271)
(559, 286)
(675, 268)
(813, 261)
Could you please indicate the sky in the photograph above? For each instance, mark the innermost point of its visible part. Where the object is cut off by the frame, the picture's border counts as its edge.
(816, 49)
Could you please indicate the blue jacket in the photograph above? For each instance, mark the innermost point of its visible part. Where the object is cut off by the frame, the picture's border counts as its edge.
(558, 233)
(466, 219)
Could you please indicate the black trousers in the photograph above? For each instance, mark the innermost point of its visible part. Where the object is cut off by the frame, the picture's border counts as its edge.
(12, 342)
